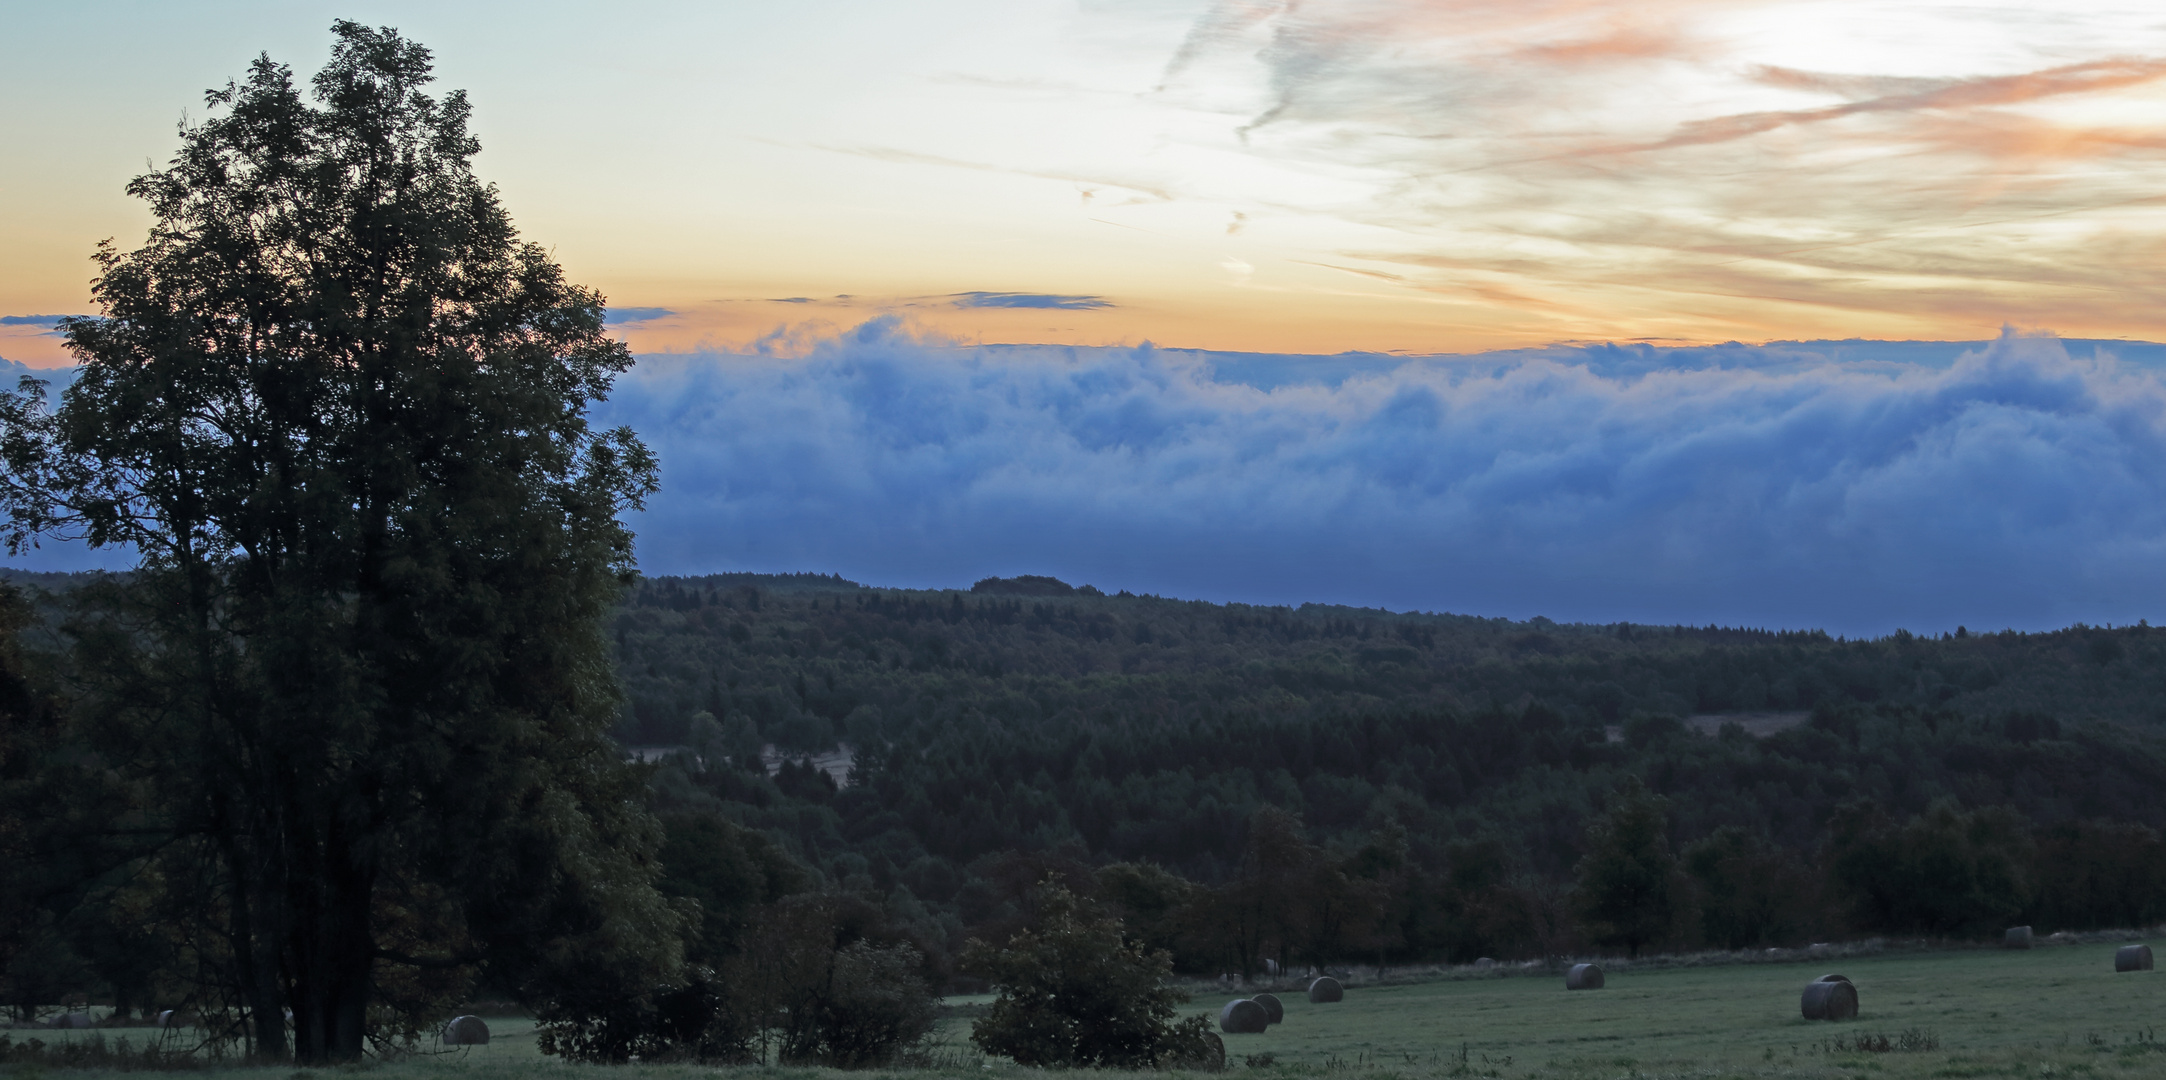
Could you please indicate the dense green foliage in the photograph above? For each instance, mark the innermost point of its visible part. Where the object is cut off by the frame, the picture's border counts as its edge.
(337, 746)
(1630, 891)
(1277, 796)
(1074, 991)
(799, 978)
(1441, 772)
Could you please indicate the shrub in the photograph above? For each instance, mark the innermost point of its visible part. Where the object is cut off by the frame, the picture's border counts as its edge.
(1073, 992)
(813, 983)
(690, 1020)
(830, 983)
(873, 1006)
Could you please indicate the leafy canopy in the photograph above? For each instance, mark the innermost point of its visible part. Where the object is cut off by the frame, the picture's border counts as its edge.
(339, 409)
(1630, 890)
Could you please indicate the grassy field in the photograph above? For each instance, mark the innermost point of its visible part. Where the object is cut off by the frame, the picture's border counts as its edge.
(1977, 1013)
(2050, 1012)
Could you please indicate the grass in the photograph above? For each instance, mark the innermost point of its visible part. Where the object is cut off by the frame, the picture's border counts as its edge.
(2046, 1013)
(1982, 1013)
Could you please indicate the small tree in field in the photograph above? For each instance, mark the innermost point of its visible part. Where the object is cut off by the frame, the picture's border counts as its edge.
(1074, 993)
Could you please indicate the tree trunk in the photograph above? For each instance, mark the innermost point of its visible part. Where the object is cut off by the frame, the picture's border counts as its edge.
(255, 957)
(330, 952)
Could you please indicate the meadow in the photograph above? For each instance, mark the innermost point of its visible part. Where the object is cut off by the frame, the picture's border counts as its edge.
(1941, 1014)
(2048, 1012)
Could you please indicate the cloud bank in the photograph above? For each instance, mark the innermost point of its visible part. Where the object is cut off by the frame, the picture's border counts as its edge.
(1858, 486)
(1030, 300)
(620, 316)
(47, 321)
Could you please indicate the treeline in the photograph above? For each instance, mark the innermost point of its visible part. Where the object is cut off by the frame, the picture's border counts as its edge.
(106, 900)
(1286, 900)
(1241, 785)
(997, 734)
(801, 653)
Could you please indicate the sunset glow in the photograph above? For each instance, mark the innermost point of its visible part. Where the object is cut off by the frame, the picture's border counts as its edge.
(1369, 301)
(1377, 175)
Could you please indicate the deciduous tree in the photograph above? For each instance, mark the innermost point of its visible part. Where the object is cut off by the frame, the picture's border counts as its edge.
(1630, 891)
(339, 410)
(1751, 892)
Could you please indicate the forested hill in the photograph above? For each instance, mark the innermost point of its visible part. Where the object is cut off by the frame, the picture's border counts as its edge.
(1025, 715)
(800, 654)
(1447, 777)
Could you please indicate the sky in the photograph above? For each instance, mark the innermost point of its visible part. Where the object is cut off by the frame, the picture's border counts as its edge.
(1413, 304)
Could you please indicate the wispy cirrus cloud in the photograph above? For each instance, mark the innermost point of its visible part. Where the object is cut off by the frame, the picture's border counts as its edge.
(1720, 169)
(1148, 189)
(1949, 95)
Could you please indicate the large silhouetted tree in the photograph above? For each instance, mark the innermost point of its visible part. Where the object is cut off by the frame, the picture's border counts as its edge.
(339, 409)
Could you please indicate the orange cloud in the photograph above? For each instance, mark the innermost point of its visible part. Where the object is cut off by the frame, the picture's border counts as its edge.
(1587, 164)
(2084, 78)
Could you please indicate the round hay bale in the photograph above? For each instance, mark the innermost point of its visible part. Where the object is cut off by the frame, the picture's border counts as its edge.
(2017, 937)
(1209, 1056)
(73, 1020)
(1272, 1005)
(165, 1019)
(1325, 991)
(1829, 998)
(1583, 977)
(466, 1031)
(1484, 963)
(1243, 1017)
(2132, 958)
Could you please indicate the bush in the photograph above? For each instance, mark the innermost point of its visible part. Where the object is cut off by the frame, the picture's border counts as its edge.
(691, 1020)
(814, 983)
(873, 1007)
(831, 984)
(1073, 992)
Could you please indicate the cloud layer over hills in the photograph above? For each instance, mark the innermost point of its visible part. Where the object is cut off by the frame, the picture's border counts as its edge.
(1858, 486)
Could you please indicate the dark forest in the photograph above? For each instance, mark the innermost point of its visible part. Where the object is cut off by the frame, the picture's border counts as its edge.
(1449, 771)
(903, 772)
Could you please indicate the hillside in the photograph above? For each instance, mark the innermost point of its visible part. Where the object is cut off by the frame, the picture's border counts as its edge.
(1424, 784)
(1097, 729)
(692, 643)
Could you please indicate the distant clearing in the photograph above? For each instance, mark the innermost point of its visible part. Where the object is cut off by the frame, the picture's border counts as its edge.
(1759, 725)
